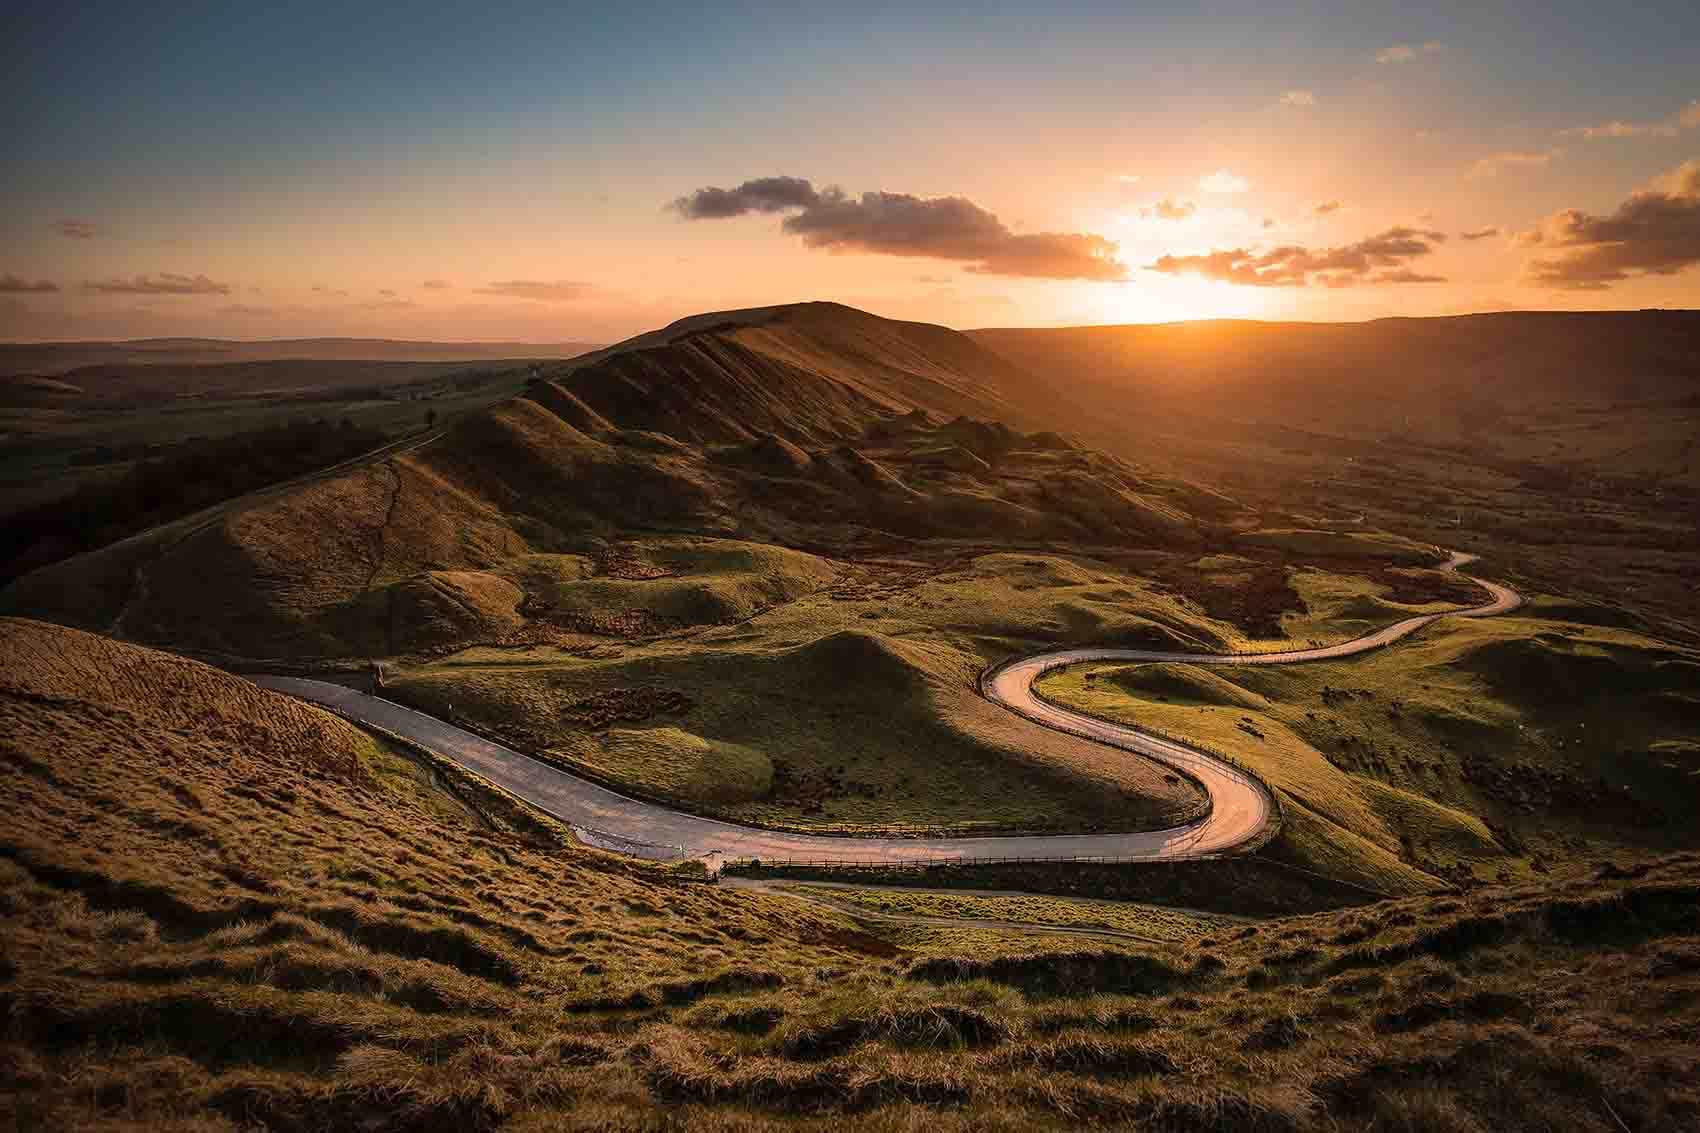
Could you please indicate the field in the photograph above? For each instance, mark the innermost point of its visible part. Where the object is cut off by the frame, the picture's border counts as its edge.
(56, 439)
(407, 949)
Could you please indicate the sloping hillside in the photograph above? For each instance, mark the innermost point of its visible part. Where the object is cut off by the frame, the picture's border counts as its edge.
(895, 365)
(224, 910)
(816, 426)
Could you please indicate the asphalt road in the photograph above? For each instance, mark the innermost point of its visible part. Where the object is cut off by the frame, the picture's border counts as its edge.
(1242, 807)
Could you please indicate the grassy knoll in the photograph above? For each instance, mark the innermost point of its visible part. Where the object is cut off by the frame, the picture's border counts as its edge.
(1476, 746)
(224, 910)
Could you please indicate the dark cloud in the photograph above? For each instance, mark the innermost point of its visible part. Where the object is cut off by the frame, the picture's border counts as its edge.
(15, 285)
(75, 229)
(1480, 233)
(1382, 258)
(899, 224)
(165, 283)
(436, 285)
(1655, 232)
(543, 291)
(764, 194)
(1170, 209)
(1327, 207)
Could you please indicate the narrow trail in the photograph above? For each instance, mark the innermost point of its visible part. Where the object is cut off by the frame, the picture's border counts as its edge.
(1242, 813)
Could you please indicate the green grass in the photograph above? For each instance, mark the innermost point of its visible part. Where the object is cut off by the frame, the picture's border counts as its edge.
(225, 908)
(1400, 760)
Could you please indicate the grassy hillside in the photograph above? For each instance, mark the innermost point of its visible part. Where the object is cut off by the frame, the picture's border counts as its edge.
(833, 448)
(1562, 443)
(1475, 749)
(226, 910)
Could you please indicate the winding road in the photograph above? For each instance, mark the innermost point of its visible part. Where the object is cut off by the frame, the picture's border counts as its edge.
(1242, 811)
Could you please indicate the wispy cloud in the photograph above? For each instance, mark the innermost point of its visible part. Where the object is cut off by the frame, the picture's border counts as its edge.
(1223, 181)
(436, 285)
(1667, 127)
(1169, 209)
(901, 224)
(15, 285)
(1323, 208)
(1382, 258)
(76, 229)
(1480, 233)
(1406, 52)
(1655, 232)
(244, 310)
(1494, 163)
(164, 283)
(1299, 98)
(541, 291)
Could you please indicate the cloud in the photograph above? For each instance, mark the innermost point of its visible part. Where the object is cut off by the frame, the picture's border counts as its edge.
(900, 224)
(1405, 52)
(1382, 258)
(1490, 165)
(1222, 181)
(386, 293)
(1169, 209)
(15, 285)
(933, 279)
(1480, 233)
(1655, 232)
(764, 194)
(384, 305)
(165, 283)
(321, 289)
(1667, 127)
(1126, 178)
(75, 229)
(1326, 207)
(436, 285)
(245, 310)
(542, 291)
(1269, 222)
(1298, 98)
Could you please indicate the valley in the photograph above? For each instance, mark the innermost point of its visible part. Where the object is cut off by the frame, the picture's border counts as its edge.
(816, 714)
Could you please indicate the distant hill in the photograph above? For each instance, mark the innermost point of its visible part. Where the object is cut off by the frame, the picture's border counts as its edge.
(53, 358)
(815, 425)
(1513, 357)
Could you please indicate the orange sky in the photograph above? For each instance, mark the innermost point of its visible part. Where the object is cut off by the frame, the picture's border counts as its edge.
(449, 175)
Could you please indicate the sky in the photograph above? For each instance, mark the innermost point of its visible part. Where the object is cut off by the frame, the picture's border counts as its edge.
(581, 172)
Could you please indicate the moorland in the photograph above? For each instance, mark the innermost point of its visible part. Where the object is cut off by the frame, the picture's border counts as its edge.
(752, 566)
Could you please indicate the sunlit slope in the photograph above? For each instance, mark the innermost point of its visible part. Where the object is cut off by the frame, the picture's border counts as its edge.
(894, 365)
(821, 426)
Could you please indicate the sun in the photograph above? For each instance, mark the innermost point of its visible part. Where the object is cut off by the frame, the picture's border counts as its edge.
(1152, 298)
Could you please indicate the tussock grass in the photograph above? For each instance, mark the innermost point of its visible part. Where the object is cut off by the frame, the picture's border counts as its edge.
(267, 923)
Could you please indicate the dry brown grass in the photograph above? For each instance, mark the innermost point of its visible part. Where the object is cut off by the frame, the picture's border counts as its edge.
(222, 909)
